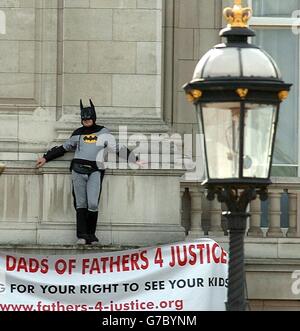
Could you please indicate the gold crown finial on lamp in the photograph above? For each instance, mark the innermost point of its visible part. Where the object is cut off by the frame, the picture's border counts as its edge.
(237, 17)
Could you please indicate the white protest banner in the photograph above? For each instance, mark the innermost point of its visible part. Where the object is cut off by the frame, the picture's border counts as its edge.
(186, 276)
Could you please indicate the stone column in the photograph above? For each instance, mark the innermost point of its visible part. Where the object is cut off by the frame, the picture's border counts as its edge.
(215, 212)
(292, 232)
(255, 212)
(196, 213)
(298, 214)
(274, 215)
(185, 210)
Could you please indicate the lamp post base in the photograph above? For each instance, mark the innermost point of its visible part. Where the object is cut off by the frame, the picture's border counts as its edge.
(240, 306)
(237, 201)
(236, 273)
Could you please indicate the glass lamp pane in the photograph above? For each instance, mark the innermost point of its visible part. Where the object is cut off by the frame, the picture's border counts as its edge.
(198, 73)
(257, 63)
(221, 122)
(258, 139)
(223, 62)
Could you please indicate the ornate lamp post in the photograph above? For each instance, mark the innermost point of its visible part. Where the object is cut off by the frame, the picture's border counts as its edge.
(237, 90)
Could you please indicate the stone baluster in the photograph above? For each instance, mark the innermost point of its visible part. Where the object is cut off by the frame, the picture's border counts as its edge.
(215, 212)
(274, 215)
(298, 214)
(196, 213)
(255, 219)
(185, 221)
(292, 232)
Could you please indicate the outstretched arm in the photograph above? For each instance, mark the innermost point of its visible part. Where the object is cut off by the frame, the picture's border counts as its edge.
(121, 150)
(52, 154)
(127, 154)
(57, 151)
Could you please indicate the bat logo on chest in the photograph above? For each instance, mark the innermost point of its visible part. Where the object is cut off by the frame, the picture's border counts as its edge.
(90, 139)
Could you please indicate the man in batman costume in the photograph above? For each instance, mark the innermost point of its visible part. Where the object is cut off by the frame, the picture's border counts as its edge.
(87, 141)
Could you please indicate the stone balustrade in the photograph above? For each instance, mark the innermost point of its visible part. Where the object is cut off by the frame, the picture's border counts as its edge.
(278, 217)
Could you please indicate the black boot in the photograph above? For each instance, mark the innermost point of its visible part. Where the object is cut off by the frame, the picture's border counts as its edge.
(81, 223)
(91, 226)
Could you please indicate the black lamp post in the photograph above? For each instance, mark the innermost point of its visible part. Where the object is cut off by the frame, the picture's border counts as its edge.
(237, 90)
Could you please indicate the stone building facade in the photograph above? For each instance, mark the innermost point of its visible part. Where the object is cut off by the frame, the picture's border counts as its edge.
(132, 58)
(53, 54)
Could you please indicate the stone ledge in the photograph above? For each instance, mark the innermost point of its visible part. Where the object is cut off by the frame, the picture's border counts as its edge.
(272, 265)
(267, 248)
(63, 249)
(62, 167)
(271, 279)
